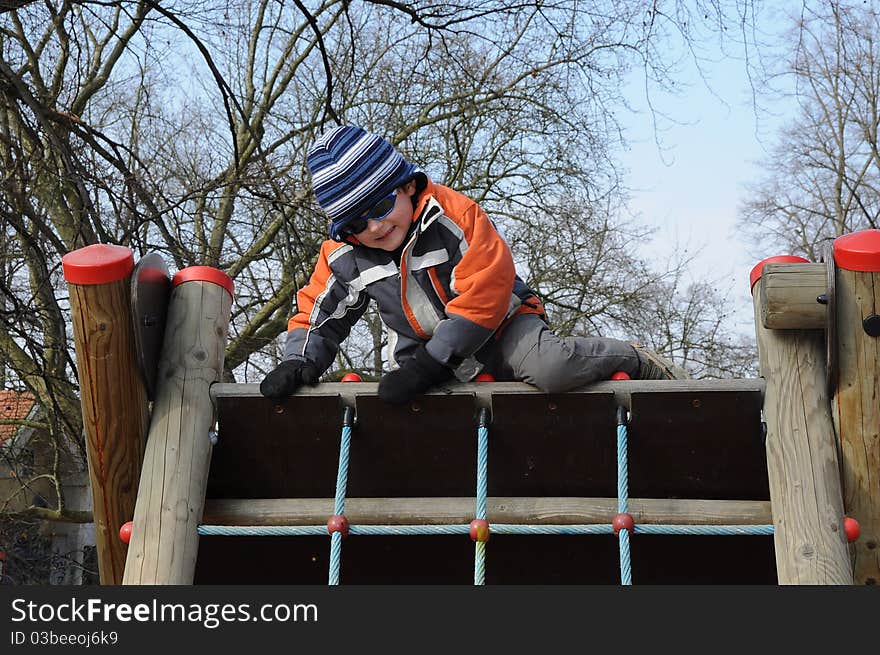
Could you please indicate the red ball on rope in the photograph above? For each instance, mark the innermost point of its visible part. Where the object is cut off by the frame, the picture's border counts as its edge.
(352, 377)
(623, 521)
(480, 530)
(338, 523)
(851, 529)
(125, 532)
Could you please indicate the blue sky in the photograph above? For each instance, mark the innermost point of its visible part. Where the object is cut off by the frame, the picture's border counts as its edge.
(692, 188)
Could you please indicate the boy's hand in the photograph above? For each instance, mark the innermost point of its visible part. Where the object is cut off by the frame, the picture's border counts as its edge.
(415, 376)
(287, 377)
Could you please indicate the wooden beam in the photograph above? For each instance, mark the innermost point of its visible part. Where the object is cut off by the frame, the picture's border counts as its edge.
(802, 461)
(857, 406)
(788, 296)
(483, 391)
(113, 396)
(453, 511)
(171, 495)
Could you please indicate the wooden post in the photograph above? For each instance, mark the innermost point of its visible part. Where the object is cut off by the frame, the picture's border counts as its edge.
(112, 393)
(171, 497)
(857, 399)
(802, 462)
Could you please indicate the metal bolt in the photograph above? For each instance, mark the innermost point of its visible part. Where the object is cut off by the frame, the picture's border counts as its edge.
(871, 324)
(822, 299)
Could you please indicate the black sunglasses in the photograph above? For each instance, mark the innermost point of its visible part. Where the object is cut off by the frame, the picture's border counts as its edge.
(377, 212)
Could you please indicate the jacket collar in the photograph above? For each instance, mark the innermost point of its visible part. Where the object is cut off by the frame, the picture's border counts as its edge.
(427, 209)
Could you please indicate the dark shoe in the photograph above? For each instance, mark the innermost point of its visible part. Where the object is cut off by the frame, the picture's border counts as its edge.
(654, 367)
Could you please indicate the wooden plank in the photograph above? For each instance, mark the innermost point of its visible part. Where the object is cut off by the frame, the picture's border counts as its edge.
(539, 444)
(802, 457)
(697, 444)
(164, 542)
(483, 391)
(857, 415)
(788, 296)
(563, 560)
(455, 511)
(270, 449)
(552, 445)
(115, 412)
(424, 448)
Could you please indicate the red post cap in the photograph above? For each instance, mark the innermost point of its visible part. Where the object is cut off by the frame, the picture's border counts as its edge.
(859, 251)
(352, 377)
(203, 274)
(620, 375)
(758, 270)
(484, 377)
(98, 263)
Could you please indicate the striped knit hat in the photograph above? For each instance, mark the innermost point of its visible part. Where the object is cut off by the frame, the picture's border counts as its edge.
(351, 171)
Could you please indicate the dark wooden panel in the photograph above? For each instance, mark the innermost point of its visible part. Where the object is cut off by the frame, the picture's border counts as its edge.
(511, 559)
(291, 449)
(425, 448)
(705, 445)
(269, 449)
(553, 445)
(697, 445)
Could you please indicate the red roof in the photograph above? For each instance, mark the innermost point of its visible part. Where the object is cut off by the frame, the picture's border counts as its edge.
(13, 405)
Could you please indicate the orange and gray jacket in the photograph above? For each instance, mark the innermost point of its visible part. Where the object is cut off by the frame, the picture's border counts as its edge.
(453, 289)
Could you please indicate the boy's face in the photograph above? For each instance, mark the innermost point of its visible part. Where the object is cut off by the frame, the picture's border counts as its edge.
(389, 233)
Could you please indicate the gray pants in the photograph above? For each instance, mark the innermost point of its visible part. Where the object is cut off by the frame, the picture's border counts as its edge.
(529, 351)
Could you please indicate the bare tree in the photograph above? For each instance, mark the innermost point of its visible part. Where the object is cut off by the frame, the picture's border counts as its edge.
(822, 178)
(181, 127)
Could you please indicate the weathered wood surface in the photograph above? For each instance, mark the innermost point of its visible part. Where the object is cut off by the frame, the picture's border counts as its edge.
(482, 391)
(115, 412)
(857, 415)
(454, 511)
(802, 458)
(788, 296)
(164, 540)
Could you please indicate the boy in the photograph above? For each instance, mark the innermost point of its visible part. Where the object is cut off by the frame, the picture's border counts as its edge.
(443, 280)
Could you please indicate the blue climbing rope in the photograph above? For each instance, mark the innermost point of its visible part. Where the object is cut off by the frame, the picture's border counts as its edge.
(482, 487)
(341, 485)
(497, 528)
(623, 496)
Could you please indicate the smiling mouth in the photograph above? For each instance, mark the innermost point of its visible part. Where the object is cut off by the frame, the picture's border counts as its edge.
(385, 235)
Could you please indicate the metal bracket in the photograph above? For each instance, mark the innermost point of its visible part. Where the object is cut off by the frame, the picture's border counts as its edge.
(830, 321)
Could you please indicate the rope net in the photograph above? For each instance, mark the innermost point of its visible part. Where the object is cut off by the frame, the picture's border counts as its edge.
(622, 525)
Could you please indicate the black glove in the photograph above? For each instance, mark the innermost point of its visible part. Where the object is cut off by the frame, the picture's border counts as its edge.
(287, 377)
(415, 376)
